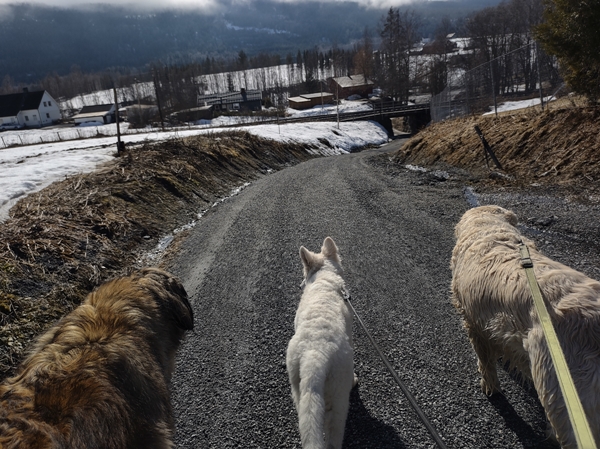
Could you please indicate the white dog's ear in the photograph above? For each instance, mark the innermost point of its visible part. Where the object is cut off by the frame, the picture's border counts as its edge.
(329, 249)
(308, 259)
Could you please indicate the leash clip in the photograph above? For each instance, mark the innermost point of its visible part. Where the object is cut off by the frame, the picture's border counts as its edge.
(526, 261)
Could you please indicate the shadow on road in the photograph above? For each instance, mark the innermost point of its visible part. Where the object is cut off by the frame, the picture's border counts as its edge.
(526, 435)
(364, 431)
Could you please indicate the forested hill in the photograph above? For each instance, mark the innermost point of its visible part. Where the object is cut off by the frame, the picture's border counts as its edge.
(38, 40)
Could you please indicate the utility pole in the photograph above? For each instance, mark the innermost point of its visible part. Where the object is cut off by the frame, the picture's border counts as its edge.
(493, 87)
(537, 60)
(137, 94)
(337, 103)
(162, 122)
(120, 144)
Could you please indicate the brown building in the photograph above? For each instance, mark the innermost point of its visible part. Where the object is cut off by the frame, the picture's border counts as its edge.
(344, 86)
(307, 101)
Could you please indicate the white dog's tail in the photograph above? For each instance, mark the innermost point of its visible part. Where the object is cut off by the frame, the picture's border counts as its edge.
(311, 406)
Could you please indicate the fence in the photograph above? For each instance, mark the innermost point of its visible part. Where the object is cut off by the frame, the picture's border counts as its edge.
(526, 72)
(23, 137)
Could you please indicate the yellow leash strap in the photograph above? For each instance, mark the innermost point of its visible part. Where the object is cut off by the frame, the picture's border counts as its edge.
(581, 427)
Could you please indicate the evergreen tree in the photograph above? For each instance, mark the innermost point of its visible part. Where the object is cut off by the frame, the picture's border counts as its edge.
(571, 32)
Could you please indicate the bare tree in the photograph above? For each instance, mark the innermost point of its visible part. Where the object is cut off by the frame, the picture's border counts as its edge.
(399, 34)
(363, 57)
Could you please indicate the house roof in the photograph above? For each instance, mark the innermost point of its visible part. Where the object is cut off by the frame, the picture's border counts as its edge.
(96, 108)
(352, 81)
(90, 115)
(199, 108)
(300, 99)
(317, 95)
(11, 104)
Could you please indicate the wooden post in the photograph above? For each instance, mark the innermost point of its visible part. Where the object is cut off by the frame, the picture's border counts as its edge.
(487, 147)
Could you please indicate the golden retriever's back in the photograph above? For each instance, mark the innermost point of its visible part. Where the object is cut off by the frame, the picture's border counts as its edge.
(99, 377)
(491, 291)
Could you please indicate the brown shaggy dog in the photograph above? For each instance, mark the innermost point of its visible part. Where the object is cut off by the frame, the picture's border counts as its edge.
(99, 378)
(491, 291)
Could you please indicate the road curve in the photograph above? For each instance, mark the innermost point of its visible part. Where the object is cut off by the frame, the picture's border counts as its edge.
(394, 228)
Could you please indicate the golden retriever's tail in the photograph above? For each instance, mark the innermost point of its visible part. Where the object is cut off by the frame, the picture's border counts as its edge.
(311, 404)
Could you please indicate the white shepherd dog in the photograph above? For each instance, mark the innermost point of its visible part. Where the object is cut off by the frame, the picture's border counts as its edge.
(319, 355)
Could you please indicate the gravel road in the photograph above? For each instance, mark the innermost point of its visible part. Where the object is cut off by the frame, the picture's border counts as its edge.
(394, 228)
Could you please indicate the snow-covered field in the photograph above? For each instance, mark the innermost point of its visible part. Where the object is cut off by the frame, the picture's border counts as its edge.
(27, 169)
(46, 135)
(47, 155)
(523, 104)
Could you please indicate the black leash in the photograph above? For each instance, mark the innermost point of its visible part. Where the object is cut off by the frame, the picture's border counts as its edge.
(407, 393)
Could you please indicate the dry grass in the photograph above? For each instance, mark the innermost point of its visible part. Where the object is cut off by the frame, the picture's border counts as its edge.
(560, 146)
(65, 240)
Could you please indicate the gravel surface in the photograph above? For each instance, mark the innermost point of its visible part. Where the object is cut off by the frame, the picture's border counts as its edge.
(394, 228)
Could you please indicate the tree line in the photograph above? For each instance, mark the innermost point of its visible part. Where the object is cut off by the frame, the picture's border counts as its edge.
(389, 55)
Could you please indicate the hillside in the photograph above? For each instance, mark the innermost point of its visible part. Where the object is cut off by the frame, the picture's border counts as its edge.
(63, 241)
(557, 147)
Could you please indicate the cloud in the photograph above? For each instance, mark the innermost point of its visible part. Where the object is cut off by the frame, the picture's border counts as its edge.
(375, 4)
(206, 6)
(203, 6)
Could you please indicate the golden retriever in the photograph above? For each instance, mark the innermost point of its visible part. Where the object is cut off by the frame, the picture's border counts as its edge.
(99, 378)
(490, 290)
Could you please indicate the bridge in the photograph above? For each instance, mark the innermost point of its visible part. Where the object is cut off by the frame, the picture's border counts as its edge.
(418, 116)
(382, 113)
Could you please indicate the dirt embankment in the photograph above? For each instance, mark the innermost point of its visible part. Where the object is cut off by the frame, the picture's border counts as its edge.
(559, 147)
(65, 240)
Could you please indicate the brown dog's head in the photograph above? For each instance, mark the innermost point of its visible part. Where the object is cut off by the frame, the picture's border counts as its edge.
(169, 294)
(150, 299)
(149, 289)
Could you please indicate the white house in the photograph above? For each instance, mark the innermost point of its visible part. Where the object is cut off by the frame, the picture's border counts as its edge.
(28, 109)
(100, 113)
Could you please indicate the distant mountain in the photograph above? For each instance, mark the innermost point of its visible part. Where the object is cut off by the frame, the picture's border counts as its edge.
(37, 40)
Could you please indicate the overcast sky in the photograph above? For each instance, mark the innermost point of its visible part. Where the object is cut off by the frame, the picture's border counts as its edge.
(209, 6)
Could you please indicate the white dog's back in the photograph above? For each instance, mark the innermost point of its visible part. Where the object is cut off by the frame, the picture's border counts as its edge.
(319, 355)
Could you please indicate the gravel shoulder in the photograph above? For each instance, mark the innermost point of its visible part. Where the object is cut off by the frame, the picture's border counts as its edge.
(394, 228)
